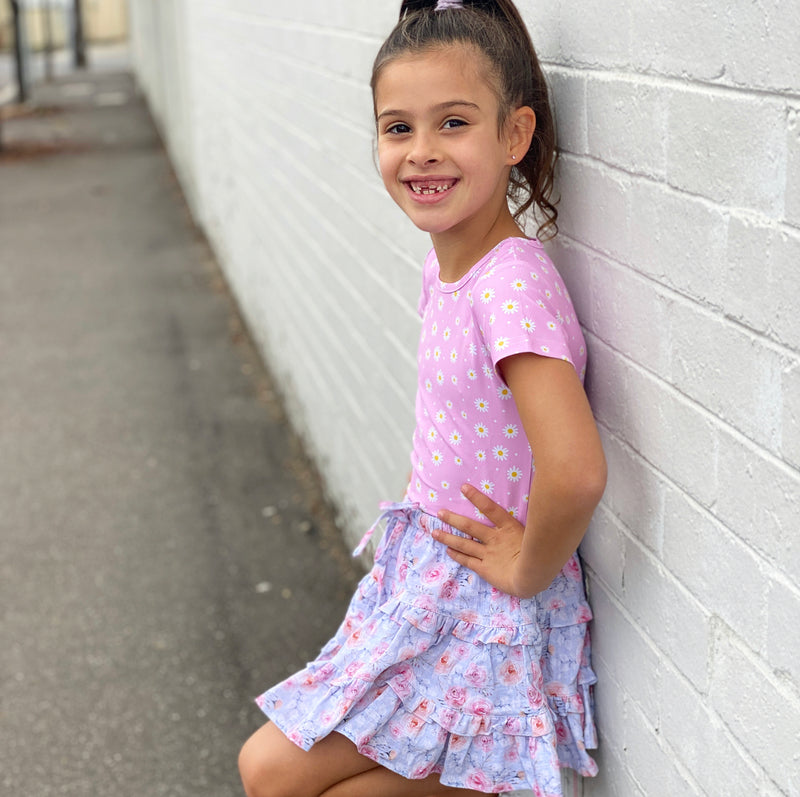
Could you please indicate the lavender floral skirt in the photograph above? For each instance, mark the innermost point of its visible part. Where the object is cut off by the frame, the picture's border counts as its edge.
(435, 671)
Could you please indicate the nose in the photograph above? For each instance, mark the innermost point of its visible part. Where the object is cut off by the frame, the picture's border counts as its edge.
(423, 151)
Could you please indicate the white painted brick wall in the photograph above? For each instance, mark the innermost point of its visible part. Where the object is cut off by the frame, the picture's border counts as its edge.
(679, 125)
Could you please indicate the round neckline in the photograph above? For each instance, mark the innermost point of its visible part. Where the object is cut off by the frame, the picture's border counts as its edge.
(452, 287)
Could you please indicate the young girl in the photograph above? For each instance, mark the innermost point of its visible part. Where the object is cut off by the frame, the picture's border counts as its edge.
(462, 666)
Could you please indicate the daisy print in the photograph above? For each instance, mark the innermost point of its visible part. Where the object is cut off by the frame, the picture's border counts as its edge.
(454, 379)
(481, 405)
(514, 474)
(437, 458)
(464, 414)
(504, 392)
(488, 370)
(544, 349)
(548, 293)
(432, 495)
(465, 332)
(473, 349)
(492, 319)
(513, 511)
(458, 460)
(437, 354)
(449, 404)
(440, 303)
(439, 378)
(551, 325)
(445, 485)
(511, 431)
(472, 374)
(434, 328)
(487, 487)
(481, 430)
(427, 354)
(432, 434)
(455, 437)
(453, 356)
(510, 306)
(441, 416)
(519, 284)
(528, 324)
(480, 455)
(534, 276)
(429, 385)
(501, 344)
(446, 333)
(487, 295)
(500, 453)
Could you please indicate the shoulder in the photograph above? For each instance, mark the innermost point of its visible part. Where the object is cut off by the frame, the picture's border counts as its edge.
(519, 260)
(519, 270)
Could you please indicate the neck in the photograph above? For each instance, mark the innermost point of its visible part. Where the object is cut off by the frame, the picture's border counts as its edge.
(457, 250)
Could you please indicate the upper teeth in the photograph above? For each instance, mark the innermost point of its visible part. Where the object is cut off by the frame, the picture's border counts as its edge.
(419, 189)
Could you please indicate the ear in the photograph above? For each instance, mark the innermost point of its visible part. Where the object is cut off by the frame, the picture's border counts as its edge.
(521, 124)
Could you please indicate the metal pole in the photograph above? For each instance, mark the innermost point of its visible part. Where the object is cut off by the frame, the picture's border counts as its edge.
(80, 40)
(19, 52)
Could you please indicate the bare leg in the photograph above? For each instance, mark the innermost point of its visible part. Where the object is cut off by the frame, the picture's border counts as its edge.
(272, 766)
(380, 782)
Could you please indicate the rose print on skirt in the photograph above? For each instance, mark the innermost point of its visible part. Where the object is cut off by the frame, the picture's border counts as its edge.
(434, 670)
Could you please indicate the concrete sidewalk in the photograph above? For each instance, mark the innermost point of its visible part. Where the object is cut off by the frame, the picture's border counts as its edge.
(166, 552)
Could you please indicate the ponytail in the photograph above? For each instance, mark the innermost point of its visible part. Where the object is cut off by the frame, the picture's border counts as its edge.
(496, 28)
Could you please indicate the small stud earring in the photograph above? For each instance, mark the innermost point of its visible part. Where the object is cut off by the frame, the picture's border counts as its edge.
(513, 157)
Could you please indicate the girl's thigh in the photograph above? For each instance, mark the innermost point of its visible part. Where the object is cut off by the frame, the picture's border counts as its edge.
(272, 766)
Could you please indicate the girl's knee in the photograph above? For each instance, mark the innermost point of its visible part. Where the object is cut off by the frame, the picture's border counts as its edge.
(261, 771)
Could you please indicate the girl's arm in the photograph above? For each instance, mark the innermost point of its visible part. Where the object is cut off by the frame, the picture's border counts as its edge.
(569, 481)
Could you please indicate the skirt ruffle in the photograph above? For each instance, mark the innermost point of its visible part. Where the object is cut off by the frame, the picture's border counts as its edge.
(435, 671)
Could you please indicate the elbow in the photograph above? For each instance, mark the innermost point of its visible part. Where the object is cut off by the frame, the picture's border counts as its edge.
(585, 482)
(594, 481)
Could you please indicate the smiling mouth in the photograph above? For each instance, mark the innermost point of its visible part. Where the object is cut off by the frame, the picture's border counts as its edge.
(429, 187)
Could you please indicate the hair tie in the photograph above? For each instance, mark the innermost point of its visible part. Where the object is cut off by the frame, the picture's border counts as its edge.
(443, 5)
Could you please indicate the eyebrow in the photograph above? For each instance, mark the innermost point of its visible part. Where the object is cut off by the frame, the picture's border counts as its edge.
(442, 106)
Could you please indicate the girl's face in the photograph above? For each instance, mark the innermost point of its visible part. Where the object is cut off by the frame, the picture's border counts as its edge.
(441, 155)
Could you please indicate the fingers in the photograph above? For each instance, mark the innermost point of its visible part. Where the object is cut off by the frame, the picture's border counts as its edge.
(462, 545)
(482, 502)
(472, 562)
(478, 531)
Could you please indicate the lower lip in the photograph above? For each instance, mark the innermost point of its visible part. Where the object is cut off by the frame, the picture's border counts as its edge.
(430, 199)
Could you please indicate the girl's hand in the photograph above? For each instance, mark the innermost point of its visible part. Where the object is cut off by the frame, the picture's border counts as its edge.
(494, 551)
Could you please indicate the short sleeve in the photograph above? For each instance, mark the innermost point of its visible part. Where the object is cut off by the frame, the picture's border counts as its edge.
(524, 308)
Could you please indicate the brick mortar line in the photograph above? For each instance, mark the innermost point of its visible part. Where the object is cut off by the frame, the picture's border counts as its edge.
(267, 21)
(653, 724)
(716, 627)
(786, 469)
(774, 573)
(675, 295)
(674, 82)
(773, 222)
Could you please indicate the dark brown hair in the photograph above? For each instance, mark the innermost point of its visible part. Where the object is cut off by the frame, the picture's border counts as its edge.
(496, 28)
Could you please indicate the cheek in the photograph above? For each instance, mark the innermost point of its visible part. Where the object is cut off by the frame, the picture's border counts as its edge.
(388, 164)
